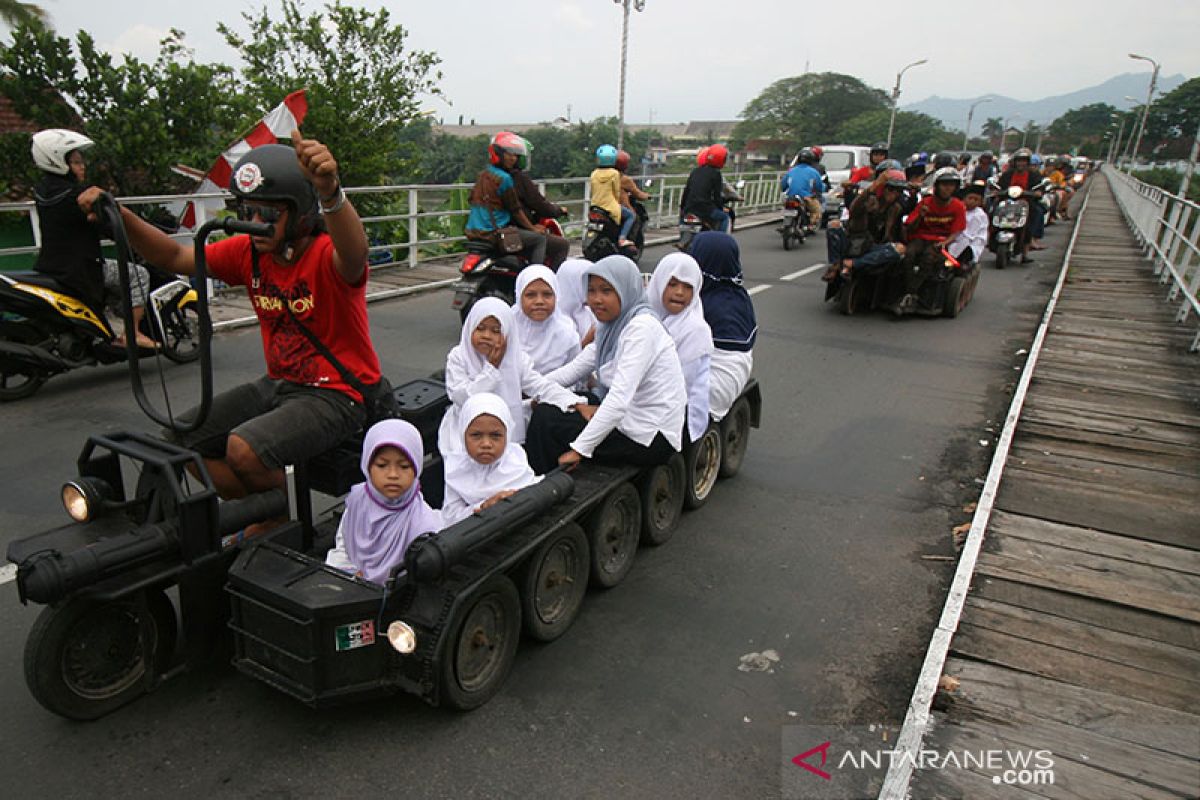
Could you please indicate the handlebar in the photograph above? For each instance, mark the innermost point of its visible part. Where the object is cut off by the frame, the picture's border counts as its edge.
(233, 225)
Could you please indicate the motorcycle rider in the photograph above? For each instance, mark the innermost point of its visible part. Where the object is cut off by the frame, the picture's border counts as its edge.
(702, 195)
(804, 182)
(630, 191)
(606, 192)
(872, 235)
(311, 270)
(1020, 173)
(936, 221)
(536, 206)
(495, 204)
(818, 153)
(70, 251)
(985, 168)
(1059, 174)
(879, 154)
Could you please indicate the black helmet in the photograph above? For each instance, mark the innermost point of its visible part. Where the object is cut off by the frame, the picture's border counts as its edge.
(806, 156)
(886, 164)
(271, 172)
(879, 147)
(943, 160)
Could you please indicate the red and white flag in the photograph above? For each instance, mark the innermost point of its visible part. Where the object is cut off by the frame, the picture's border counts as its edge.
(280, 122)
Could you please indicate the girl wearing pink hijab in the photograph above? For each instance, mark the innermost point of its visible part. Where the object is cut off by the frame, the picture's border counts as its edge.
(386, 512)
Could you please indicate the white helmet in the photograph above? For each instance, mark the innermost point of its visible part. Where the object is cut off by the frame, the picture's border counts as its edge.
(947, 175)
(51, 146)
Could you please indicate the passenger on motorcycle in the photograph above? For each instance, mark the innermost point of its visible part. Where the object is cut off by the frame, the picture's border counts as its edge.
(536, 206)
(70, 251)
(702, 195)
(606, 192)
(818, 153)
(629, 188)
(969, 245)
(804, 182)
(985, 168)
(937, 219)
(311, 271)
(867, 172)
(1060, 175)
(872, 237)
(1020, 173)
(495, 203)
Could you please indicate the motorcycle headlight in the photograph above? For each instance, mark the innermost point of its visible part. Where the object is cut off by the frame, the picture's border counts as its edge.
(1014, 192)
(83, 498)
(402, 637)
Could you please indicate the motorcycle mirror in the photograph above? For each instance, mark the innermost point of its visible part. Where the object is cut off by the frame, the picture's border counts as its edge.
(648, 183)
(740, 184)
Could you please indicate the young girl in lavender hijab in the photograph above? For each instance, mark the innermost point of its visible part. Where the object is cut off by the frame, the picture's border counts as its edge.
(674, 297)
(385, 513)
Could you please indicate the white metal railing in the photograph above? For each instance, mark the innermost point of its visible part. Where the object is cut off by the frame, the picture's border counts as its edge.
(1168, 228)
(411, 223)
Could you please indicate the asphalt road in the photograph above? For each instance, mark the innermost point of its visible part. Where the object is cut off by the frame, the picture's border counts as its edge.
(875, 432)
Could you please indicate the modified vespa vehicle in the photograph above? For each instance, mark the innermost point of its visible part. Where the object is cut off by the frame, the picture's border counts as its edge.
(445, 625)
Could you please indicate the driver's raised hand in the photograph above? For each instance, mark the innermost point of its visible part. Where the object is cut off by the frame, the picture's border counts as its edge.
(87, 201)
(318, 164)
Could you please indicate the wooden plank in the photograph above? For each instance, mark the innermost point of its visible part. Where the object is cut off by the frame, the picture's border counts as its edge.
(1090, 452)
(1144, 484)
(1068, 605)
(1110, 580)
(1068, 396)
(1080, 669)
(1117, 442)
(1086, 540)
(1084, 419)
(1061, 500)
(991, 690)
(963, 784)
(1066, 370)
(1177, 664)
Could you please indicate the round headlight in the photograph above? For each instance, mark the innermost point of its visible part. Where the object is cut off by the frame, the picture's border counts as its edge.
(1014, 192)
(83, 498)
(75, 501)
(402, 637)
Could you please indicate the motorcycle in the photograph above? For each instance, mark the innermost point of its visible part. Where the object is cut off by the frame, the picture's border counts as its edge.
(795, 226)
(602, 235)
(487, 272)
(730, 198)
(1010, 220)
(45, 329)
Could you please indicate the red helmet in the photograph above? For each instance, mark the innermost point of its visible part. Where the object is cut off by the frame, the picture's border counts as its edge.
(715, 155)
(701, 156)
(818, 152)
(622, 160)
(506, 141)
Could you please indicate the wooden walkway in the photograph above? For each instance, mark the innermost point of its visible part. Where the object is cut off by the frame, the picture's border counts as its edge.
(1081, 634)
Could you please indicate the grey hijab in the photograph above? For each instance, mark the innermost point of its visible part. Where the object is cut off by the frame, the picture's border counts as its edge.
(624, 276)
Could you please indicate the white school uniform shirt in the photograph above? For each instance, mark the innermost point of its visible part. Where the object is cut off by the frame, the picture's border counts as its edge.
(689, 331)
(975, 235)
(646, 391)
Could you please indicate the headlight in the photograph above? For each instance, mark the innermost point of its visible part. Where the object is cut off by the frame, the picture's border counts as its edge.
(402, 637)
(83, 498)
(1014, 192)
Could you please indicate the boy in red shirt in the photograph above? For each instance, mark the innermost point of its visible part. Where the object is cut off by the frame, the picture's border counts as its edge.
(932, 225)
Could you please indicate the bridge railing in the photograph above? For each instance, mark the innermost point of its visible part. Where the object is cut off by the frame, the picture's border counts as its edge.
(1168, 227)
(406, 224)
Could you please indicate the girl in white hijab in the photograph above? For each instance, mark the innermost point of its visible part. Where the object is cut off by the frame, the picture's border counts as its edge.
(488, 358)
(488, 466)
(548, 336)
(674, 296)
(572, 297)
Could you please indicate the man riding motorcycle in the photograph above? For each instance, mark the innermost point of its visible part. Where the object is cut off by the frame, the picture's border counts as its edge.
(935, 222)
(1020, 173)
(702, 195)
(803, 181)
(872, 235)
(536, 206)
(495, 203)
(879, 154)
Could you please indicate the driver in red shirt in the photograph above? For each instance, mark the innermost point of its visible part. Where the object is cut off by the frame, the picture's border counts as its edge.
(932, 225)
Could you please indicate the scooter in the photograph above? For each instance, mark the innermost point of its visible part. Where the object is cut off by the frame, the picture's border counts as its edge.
(1010, 220)
(795, 226)
(487, 272)
(602, 235)
(45, 329)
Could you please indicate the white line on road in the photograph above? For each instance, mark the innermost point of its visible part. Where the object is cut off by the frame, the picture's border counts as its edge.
(8, 573)
(758, 289)
(802, 272)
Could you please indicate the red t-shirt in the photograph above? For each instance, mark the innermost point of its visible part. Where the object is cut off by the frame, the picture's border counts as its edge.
(1019, 179)
(864, 173)
(318, 295)
(941, 221)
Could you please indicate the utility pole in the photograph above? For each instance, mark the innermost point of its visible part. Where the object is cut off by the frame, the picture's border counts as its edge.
(896, 96)
(1145, 111)
(1191, 166)
(970, 115)
(638, 5)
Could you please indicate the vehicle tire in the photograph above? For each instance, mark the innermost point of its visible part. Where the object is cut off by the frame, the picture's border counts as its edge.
(787, 240)
(613, 531)
(482, 645)
(1002, 256)
(662, 490)
(85, 659)
(554, 582)
(180, 336)
(850, 297)
(735, 435)
(702, 464)
(16, 379)
(955, 297)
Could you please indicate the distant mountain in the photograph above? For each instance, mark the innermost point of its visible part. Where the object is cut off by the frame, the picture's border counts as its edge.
(953, 112)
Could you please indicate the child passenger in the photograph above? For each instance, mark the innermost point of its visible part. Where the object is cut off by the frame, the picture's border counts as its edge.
(730, 314)
(674, 295)
(488, 358)
(489, 466)
(547, 335)
(638, 379)
(386, 512)
(969, 244)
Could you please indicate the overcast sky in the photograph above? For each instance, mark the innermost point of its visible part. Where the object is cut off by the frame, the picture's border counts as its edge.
(527, 60)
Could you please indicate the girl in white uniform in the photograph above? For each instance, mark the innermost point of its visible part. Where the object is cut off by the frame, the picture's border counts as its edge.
(730, 314)
(674, 296)
(548, 336)
(572, 297)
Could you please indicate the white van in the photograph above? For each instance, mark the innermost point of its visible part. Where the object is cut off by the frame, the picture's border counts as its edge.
(839, 161)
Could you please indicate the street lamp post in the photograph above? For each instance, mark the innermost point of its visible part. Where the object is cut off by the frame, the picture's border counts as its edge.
(970, 115)
(638, 5)
(1145, 111)
(1004, 133)
(896, 97)
(1191, 166)
(1115, 150)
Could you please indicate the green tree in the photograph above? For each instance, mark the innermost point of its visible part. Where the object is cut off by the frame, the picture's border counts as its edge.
(1090, 122)
(363, 82)
(993, 128)
(16, 14)
(807, 109)
(144, 117)
(914, 132)
(1173, 120)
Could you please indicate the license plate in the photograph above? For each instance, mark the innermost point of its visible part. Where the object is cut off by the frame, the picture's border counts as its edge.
(595, 226)
(791, 212)
(354, 635)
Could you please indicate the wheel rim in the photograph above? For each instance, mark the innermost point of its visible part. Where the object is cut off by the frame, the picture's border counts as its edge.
(179, 333)
(104, 655)
(708, 464)
(619, 540)
(481, 643)
(15, 383)
(554, 595)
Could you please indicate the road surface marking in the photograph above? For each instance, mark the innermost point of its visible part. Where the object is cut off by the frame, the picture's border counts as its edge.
(8, 573)
(802, 272)
(758, 289)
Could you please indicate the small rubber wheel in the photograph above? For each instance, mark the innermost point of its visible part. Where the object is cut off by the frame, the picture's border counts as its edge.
(85, 659)
(662, 490)
(849, 296)
(1002, 256)
(787, 241)
(482, 645)
(735, 435)
(613, 531)
(702, 465)
(181, 334)
(554, 583)
(955, 298)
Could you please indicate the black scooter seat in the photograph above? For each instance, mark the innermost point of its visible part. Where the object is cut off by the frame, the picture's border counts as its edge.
(40, 279)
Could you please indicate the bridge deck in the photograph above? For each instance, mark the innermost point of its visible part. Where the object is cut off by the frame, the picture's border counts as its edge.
(1081, 634)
